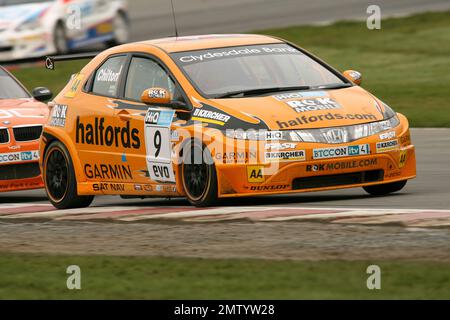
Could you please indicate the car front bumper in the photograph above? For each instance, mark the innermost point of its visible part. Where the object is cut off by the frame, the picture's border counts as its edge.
(249, 179)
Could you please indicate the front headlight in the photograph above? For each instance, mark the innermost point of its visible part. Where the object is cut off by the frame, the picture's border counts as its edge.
(388, 113)
(332, 135)
(343, 134)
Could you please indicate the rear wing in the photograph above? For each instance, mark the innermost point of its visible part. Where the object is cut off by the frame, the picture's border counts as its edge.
(50, 60)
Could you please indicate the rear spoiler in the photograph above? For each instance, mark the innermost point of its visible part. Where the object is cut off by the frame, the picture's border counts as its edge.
(50, 60)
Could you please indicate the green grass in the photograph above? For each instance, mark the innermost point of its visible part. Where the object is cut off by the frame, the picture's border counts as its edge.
(25, 276)
(406, 64)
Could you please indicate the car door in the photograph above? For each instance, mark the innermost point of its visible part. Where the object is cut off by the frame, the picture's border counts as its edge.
(100, 141)
(151, 162)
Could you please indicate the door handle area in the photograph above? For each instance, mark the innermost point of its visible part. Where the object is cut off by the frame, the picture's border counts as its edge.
(124, 115)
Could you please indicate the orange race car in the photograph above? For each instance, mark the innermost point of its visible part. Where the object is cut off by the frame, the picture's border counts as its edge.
(218, 116)
(22, 117)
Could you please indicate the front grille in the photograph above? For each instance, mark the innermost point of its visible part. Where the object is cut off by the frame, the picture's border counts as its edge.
(4, 136)
(338, 180)
(19, 171)
(27, 133)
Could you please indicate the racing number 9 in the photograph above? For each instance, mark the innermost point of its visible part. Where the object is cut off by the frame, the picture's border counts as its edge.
(157, 143)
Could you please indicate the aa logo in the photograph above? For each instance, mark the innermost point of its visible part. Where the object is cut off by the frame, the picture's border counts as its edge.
(255, 174)
(403, 158)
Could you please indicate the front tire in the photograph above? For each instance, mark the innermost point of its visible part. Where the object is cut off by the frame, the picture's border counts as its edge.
(120, 30)
(60, 180)
(199, 175)
(60, 41)
(384, 189)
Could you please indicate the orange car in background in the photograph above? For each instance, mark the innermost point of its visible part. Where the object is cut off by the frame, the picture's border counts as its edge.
(217, 116)
(22, 116)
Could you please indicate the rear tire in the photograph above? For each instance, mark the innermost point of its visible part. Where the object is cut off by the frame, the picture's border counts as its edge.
(199, 179)
(59, 178)
(384, 189)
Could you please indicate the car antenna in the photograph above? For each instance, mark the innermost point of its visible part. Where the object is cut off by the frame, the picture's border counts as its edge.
(174, 19)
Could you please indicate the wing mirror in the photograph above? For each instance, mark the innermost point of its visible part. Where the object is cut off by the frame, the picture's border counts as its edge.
(161, 97)
(42, 94)
(353, 76)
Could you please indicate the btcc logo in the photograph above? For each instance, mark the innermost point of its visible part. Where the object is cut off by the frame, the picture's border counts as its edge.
(19, 156)
(337, 152)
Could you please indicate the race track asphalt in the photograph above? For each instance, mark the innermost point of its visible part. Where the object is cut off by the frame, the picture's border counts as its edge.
(153, 18)
(431, 189)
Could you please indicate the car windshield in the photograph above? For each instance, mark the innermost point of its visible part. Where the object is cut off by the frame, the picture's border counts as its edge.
(16, 2)
(253, 70)
(9, 88)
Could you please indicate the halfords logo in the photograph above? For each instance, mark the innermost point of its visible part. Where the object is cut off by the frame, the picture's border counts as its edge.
(323, 117)
(347, 151)
(100, 135)
(341, 165)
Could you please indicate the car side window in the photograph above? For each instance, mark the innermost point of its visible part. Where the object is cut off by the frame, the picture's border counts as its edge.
(145, 73)
(107, 77)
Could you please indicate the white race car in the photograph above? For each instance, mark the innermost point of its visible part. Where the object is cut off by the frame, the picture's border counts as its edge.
(34, 28)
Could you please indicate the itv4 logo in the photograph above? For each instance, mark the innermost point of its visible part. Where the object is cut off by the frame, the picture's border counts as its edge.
(29, 155)
(358, 150)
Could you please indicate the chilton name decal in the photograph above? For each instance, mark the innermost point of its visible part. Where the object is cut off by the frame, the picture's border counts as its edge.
(101, 135)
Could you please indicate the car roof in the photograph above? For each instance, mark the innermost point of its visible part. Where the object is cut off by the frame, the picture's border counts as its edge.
(191, 43)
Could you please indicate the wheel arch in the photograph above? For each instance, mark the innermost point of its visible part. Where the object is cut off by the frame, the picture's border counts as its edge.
(52, 137)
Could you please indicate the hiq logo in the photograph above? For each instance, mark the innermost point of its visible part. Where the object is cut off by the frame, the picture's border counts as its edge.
(160, 118)
(26, 156)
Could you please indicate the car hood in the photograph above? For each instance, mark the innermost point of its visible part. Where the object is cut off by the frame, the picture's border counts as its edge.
(13, 15)
(298, 110)
(15, 112)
